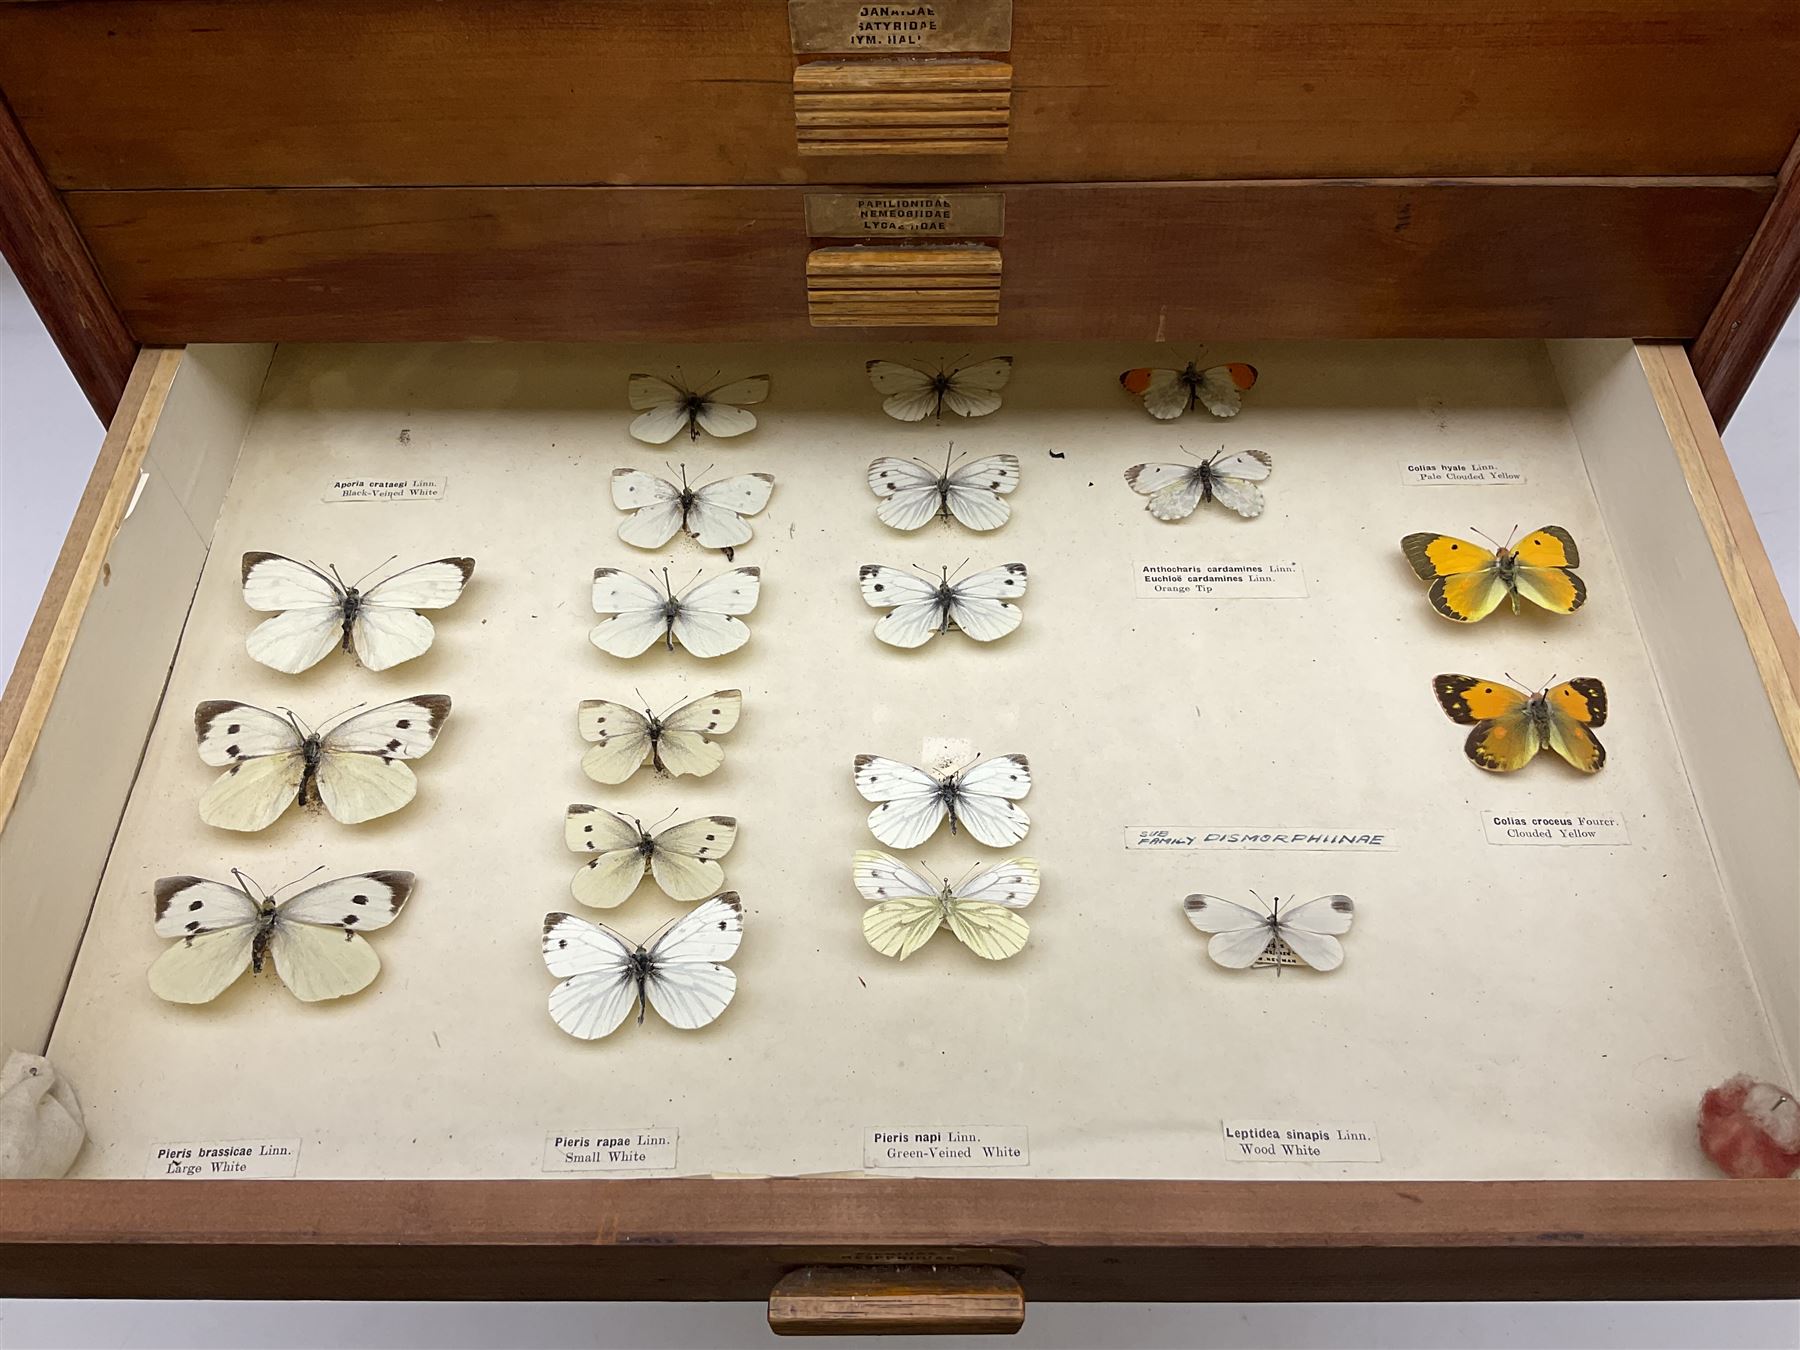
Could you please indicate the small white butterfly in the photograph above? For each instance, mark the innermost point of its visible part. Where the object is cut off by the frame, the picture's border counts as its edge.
(624, 739)
(1175, 490)
(680, 971)
(666, 407)
(680, 858)
(914, 802)
(700, 618)
(912, 394)
(912, 492)
(921, 606)
(313, 936)
(1244, 937)
(905, 909)
(354, 765)
(1167, 394)
(712, 513)
(379, 625)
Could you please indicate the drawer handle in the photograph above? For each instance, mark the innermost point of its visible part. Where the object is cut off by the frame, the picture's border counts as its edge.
(897, 1301)
(955, 107)
(954, 286)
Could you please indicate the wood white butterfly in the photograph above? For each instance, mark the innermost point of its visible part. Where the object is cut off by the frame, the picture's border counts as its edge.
(354, 765)
(682, 858)
(313, 937)
(914, 802)
(675, 743)
(700, 618)
(712, 513)
(1244, 937)
(666, 407)
(1175, 490)
(1167, 394)
(920, 606)
(912, 394)
(680, 971)
(914, 493)
(905, 909)
(379, 625)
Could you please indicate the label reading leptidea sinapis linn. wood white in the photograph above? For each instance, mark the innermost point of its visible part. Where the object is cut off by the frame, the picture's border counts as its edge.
(1222, 580)
(1491, 470)
(1300, 1141)
(610, 1151)
(947, 1146)
(401, 488)
(1286, 837)
(226, 1159)
(1573, 828)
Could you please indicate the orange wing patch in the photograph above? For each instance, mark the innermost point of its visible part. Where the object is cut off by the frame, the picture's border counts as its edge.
(1466, 699)
(1137, 380)
(1443, 555)
(1582, 699)
(1242, 376)
(1551, 546)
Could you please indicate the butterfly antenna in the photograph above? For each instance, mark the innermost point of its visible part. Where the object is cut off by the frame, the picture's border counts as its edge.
(1509, 535)
(336, 577)
(923, 570)
(332, 722)
(300, 728)
(296, 881)
(959, 567)
(1485, 535)
(665, 815)
(371, 572)
(245, 883)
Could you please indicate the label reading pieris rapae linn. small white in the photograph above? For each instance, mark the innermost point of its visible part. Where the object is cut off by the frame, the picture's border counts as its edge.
(1222, 580)
(1300, 1141)
(402, 488)
(1491, 470)
(651, 1150)
(1340, 839)
(1573, 828)
(947, 1146)
(226, 1159)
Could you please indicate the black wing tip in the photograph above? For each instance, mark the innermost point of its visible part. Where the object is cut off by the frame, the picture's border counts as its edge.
(750, 572)
(553, 918)
(464, 565)
(1343, 904)
(1020, 760)
(212, 708)
(256, 556)
(726, 822)
(730, 898)
(438, 705)
(863, 761)
(403, 882)
(167, 888)
(580, 809)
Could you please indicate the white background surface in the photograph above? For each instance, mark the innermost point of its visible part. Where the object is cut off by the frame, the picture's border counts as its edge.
(47, 441)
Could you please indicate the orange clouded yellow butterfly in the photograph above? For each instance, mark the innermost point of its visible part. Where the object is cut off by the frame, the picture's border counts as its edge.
(1468, 582)
(1511, 726)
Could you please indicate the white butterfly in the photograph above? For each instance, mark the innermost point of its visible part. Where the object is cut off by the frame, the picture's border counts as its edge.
(912, 394)
(680, 858)
(921, 606)
(1167, 394)
(712, 513)
(912, 492)
(1244, 937)
(675, 743)
(355, 765)
(313, 936)
(700, 618)
(915, 802)
(905, 909)
(379, 625)
(1175, 490)
(666, 407)
(680, 971)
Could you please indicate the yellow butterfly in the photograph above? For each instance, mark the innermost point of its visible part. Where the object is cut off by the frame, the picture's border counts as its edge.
(1511, 726)
(1468, 582)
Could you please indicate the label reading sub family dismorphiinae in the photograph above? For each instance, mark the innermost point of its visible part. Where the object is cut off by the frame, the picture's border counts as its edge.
(947, 1146)
(1299, 839)
(1222, 580)
(650, 1150)
(1492, 470)
(1300, 1141)
(226, 1159)
(1555, 827)
(398, 489)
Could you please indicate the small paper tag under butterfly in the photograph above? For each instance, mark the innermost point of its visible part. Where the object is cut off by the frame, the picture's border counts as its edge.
(947, 1146)
(401, 489)
(1573, 828)
(1221, 581)
(1488, 470)
(1269, 1141)
(651, 1150)
(1277, 953)
(224, 1159)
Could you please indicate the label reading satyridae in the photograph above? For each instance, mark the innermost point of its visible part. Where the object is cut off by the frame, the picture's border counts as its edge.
(1299, 1141)
(1492, 470)
(1222, 580)
(1192, 838)
(225, 1159)
(947, 1146)
(915, 26)
(1572, 828)
(401, 488)
(651, 1150)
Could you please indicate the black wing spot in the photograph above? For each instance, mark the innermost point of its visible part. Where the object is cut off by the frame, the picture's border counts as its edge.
(233, 729)
(359, 899)
(194, 905)
(193, 926)
(349, 920)
(232, 750)
(405, 723)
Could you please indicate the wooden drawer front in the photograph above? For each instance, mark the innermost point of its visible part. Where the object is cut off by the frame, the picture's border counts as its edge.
(919, 108)
(904, 287)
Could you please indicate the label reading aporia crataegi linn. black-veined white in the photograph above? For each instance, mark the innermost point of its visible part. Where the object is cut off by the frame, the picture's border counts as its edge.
(1567, 828)
(1269, 1141)
(1291, 838)
(1222, 580)
(946, 1146)
(400, 488)
(1475, 470)
(651, 1150)
(224, 1159)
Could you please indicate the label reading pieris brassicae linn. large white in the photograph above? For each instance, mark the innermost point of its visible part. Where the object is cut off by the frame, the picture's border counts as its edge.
(1221, 581)
(647, 1150)
(946, 1146)
(224, 1159)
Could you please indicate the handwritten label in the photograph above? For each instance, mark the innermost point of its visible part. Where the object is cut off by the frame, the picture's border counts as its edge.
(865, 215)
(225, 1159)
(1223, 580)
(1493, 470)
(401, 489)
(1299, 1141)
(1196, 837)
(610, 1151)
(921, 26)
(1551, 827)
(947, 1146)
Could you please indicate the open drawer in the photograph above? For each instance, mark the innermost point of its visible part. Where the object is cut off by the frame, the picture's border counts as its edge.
(1504, 1071)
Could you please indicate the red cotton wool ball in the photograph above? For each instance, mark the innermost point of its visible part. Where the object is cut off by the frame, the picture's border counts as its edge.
(1751, 1129)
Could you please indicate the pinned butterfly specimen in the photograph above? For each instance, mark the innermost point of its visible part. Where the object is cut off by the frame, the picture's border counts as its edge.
(700, 618)
(913, 493)
(674, 743)
(379, 625)
(1511, 726)
(920, 606)
(682, 858)
(914, 802)
(1468, 582)
(681, 971)
(1175, 490)
(355, 764)
(1167, 394)
(666, 407)
(912, 395)
(1245, 937)
(983, 911)
(712, 513)
(313, 937)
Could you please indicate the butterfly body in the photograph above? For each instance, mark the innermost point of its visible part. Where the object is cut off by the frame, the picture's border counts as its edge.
(1512, 726)
(1175, 491)
(1469, 582)
(1167, 394)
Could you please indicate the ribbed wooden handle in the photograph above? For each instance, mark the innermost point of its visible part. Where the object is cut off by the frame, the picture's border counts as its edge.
(897, 1301)
(954, 286)
(902, 107)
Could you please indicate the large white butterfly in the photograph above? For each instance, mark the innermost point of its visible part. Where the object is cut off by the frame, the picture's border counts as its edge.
(313, 936)
(700, 618)
(680, 858)
(1244, 937)
(914, 802)
(712, 513)
(624, 739)
(666, 407)
(912, 492)
(905, 909)
(355, 765)
(379, 625)
(912, 394)
(1167, 394)
(920, 606)
(1175, 490)
(680, 972)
